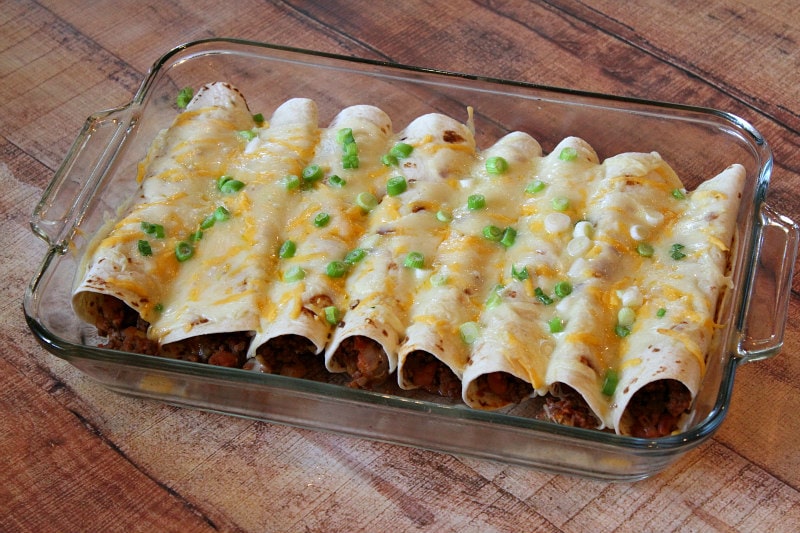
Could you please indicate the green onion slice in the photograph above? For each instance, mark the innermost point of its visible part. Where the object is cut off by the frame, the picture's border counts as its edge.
(562, 289)
(560, 203)
(519, 273)
(336, 269)
(287, 250)
(184, 97)
(396, 185)
(443, 216)
(258, 118)
(221, 214)
(196, 236)
(476, 201)
(610, 381)
(401, 150)
(535, 186)
(469, 332)
(493, 233)
(414, 260)
(295, 273)
(389, 160)
(661, 312)
(645, 250)
(332, 315)
(494, 298)
(366, 201)
(144, 248)
(496, 165)
(322, 220)
(676, 251)
(184, 250)
(556, 325)
(354, 256)
(568, 154)
(350, 161)
(248, 135)
(336, 181)
(345, 136)
(291, 182)
(541, 296)
(678, 194)
(208, 221)
(154, 230)
(622, 331)
(508, 238)
(312, 173)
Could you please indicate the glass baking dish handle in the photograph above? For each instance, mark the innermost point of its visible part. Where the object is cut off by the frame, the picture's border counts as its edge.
(770, 287)
(66, 198)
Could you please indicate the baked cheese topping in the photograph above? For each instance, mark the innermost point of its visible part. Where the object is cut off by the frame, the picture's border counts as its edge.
(552, 271)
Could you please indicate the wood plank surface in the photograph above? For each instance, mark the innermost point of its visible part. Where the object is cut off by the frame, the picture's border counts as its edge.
(75, 456)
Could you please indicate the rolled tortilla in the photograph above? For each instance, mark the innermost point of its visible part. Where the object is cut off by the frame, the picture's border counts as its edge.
(381, 288)
(444, 315)
(510, 359)
(630, 200)
(305, 308)
(176, 176)
(663, 360)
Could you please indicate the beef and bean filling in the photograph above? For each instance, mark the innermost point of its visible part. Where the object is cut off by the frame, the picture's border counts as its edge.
(428, 373)
(570, 409)
(289, 355)
(365, 361)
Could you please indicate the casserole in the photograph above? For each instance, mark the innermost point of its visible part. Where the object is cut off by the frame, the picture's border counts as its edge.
(96, 178)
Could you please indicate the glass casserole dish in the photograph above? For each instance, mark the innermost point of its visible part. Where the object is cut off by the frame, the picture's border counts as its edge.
(97, 177)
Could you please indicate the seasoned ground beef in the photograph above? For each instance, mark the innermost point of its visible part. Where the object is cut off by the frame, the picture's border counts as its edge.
(510, 389)
(290, 355)
(365, 361)
(570, 409)
(429, 374)
(657, 407)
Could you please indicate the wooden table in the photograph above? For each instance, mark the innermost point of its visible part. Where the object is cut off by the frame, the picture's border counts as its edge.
(76, 457)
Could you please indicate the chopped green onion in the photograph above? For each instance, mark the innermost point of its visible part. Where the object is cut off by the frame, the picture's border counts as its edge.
(443, 216)
(496, 165)
(476, 201)
(312, 173)
(493, 233)
(626, 317)
(331, 315)
(196, 236)
(622, 331)
(644, 249)
(508, 238)
(396, 185)
(354, 256)
(345, 136)
(336, 269)
(291, 182)
(144, 248)
(610, 381)
(414, 260)
(519, 273)
(541, 296)
(494, 298)
(439, 279)
(208, 221)
(562, 289)
(676, 252)
(258, 118)
(401, 150)
(322, 220)
(158, 307)
(228, 184)
(560, 203)
(336, 181)
(248, 135)
(183, 251)
(661, 312)
(221, 214)
(555, 324)
(389, 160)
(287, 250)
(295, 273)
(155, 230)
(678, 194)
(469, 331)
(366, 201)
(568, 154)
(350, 149)
(184, 97)
(535, 186)
(350, 161)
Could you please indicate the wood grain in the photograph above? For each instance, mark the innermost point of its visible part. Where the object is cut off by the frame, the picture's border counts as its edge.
(77, 457)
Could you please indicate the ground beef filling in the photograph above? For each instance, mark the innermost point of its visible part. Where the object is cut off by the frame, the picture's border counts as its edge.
(364, 360)
(126, 331)
(570, 409)
(426, 372)
(656, 408)
(289, 355)
(503, 386)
